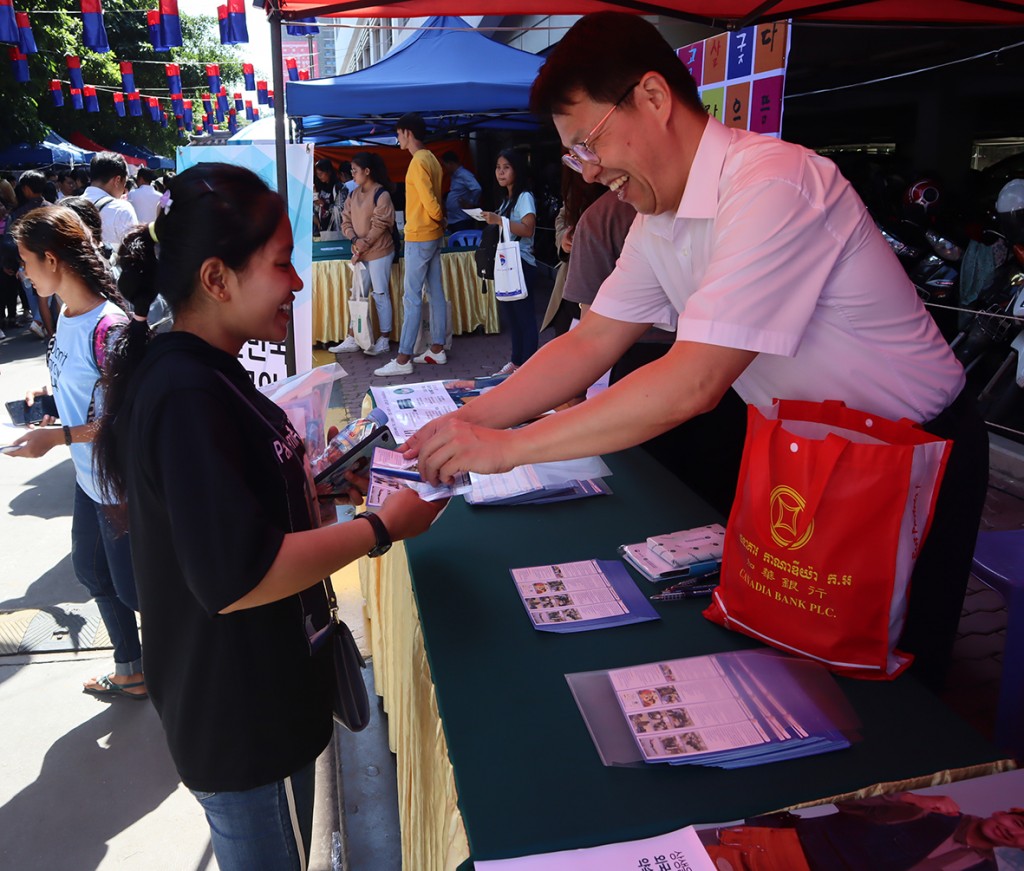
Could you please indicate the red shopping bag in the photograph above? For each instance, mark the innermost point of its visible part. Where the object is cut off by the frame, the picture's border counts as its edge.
(832, 508)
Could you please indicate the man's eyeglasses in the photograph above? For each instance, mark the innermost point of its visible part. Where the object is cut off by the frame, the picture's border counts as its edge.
(581, 153)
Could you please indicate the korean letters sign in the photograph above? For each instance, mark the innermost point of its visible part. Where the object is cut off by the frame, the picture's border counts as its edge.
(741, 76)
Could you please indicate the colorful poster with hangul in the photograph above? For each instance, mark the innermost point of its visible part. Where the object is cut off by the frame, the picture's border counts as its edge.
(741, 75)
(266, 362)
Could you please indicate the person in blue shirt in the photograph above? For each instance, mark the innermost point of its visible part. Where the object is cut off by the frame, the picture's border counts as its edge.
(464, 193)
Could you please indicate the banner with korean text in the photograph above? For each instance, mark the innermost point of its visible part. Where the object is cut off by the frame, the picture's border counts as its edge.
(265, 361)
(741, 76)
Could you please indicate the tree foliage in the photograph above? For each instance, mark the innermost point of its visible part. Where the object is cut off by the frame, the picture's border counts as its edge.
(29, 112)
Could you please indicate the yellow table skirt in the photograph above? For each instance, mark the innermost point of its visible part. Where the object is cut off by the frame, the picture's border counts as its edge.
(332, 280)
(433, 835)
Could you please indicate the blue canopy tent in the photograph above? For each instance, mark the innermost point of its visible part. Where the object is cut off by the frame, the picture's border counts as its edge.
(153, 160)
(53, 149)
(454, 76)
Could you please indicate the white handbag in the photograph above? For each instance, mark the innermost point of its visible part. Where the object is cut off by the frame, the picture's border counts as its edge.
(509, 281)
(359, 306)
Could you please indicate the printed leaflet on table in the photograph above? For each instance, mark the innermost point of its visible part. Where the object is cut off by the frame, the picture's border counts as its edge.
(728, 710)
(573, 597)
(680, 850)
(411, 406)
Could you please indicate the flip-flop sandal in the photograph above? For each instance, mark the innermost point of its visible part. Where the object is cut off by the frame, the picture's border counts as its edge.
(106, 687)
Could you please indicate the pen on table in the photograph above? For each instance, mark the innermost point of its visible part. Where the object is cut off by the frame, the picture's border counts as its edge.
(688, 593)
(689, 583)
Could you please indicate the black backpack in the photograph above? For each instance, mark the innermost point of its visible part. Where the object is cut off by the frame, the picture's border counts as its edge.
(487, 250)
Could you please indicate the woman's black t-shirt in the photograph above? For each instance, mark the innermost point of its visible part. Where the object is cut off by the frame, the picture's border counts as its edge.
(212, 490)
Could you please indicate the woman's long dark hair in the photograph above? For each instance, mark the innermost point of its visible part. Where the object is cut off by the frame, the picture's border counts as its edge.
(324, 164)
(521, 183)
(59, 230)
(214, 210)
(378, 171)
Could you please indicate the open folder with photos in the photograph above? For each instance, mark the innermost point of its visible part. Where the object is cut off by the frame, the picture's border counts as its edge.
(728, 710)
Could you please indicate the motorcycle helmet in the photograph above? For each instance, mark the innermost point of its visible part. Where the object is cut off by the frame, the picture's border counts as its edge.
(1010, 211)
(923, 194)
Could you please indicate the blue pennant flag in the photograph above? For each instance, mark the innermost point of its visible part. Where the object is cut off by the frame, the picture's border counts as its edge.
(26, 41)
(94, 34)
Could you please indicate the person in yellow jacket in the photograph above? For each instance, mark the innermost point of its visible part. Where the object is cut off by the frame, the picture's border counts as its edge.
(424, 237)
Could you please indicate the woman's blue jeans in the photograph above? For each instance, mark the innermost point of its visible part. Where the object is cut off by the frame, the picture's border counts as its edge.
(268, 828)
(103, 564)
(521, 316)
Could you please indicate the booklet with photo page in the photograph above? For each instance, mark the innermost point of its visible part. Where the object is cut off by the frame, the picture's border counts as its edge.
(588, 594)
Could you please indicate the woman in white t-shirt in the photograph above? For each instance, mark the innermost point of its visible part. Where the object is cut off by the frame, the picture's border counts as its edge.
(61, 258)
(520, 209)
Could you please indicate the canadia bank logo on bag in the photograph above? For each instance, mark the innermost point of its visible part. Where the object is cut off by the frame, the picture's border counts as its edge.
(786, 506)
(501, 260)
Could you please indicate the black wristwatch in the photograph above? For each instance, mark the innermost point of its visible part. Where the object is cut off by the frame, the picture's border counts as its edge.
(383, 544)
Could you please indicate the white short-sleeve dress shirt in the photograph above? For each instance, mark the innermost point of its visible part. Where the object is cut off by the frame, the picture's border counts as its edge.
(772, 251)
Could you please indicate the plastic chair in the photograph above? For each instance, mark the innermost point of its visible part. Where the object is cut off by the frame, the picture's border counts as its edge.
(999, 564)
(465, 239)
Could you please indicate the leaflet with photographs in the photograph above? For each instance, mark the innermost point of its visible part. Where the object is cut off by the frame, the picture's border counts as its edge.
(684, 707)
(588, 594)
(567, 592)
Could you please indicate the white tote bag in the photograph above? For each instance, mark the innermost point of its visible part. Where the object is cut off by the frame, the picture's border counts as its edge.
(509, 281)
(359, 306)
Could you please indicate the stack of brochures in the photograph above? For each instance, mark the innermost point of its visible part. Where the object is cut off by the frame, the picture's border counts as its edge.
(588, 594)
(541, 482)
(390, 472)
(728, 710)
(687, 553)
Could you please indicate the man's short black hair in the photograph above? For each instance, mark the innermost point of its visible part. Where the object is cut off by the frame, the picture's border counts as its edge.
(81, 175)
(34, 180)
(106, 166)
(601, 56)
(145, 174)
(414, 123)
(450, 157)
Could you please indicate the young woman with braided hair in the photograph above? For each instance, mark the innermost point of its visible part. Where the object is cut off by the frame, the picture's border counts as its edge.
(223, 517)
(61, 258)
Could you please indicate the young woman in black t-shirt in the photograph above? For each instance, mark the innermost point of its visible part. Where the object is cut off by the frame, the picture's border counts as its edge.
(225, 542)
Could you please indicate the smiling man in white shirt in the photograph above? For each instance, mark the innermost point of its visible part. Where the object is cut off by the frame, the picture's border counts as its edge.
(762, 260)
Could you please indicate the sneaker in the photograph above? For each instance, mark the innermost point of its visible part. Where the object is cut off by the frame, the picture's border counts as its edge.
(36, 329)
(394, 368)
(350, 344)
(507, 369)
(428, 356)
(381, 346)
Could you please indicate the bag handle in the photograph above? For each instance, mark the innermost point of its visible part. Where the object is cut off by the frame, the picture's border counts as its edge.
(826, 456)
(505, 233)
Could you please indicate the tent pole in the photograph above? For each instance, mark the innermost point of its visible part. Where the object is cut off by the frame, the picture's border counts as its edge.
(274, 19)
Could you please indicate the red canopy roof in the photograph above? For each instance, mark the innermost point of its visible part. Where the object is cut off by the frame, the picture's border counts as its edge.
(729, 14)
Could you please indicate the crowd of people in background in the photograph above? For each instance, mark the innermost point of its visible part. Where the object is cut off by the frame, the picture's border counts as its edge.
(120, 200)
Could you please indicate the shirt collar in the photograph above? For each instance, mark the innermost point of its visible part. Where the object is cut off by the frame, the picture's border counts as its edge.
(700, 197)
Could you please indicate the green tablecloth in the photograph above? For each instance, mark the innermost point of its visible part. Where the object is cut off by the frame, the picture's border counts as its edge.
(528, 777)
